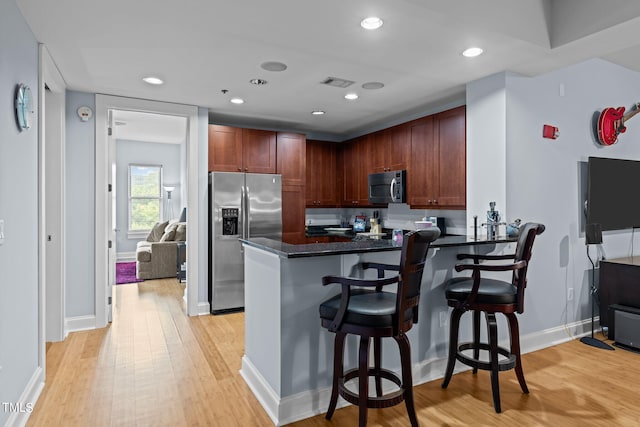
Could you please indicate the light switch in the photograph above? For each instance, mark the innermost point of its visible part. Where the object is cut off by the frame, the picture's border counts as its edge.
(1, 231)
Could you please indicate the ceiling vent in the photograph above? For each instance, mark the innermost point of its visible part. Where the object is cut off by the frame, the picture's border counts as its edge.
(337, 82)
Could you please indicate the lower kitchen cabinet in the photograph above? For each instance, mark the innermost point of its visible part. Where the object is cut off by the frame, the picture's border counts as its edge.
(293, 214)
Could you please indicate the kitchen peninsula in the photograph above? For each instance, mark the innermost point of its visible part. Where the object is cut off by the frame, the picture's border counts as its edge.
(288, 356)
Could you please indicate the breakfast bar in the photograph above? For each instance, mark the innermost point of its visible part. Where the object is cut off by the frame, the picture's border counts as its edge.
(288, 356)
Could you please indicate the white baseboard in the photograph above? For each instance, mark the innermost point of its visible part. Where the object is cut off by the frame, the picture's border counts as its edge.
(307, 404)
(204, 308)
(125, 256)
(79, 323)
(27, 400)
(267, 397)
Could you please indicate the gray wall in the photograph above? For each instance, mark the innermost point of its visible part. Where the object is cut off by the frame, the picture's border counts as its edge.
(79, 208)
(152, 153)
(19, 210)
(543, 180)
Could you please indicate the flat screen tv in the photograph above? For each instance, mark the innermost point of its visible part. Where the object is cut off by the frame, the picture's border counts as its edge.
(613, 193)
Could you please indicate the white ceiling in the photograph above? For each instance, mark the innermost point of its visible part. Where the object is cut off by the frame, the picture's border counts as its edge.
(200, 47)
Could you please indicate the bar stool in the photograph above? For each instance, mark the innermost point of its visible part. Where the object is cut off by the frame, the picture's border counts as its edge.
(373, 314)
(490, 296)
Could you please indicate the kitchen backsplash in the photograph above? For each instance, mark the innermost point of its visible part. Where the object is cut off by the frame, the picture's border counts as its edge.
(397, 215)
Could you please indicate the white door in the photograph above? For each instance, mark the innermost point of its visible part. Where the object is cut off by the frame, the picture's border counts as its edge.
(111, 209)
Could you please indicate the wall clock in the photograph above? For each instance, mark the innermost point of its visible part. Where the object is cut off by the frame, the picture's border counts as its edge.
(24, 106)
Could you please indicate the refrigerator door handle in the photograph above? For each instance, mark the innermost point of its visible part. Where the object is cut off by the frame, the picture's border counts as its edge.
(243, 209)
(247, 211)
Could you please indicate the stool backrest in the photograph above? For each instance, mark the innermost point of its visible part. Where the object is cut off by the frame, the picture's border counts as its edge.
(524, 248)
(414, 253)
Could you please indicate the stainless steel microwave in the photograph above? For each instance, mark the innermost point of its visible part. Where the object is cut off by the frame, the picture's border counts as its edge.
(387, 187)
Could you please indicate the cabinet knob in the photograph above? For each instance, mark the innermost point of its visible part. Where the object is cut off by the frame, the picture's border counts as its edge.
(240, 169)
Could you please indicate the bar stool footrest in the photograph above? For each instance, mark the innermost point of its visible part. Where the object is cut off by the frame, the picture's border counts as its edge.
(386, 400)
(503, 365)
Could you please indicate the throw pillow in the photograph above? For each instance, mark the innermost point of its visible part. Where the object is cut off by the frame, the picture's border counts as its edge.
(169, 233)
(181, 232)
(157, 231)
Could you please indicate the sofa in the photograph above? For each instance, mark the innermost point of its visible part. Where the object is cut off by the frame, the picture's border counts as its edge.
(157, 256)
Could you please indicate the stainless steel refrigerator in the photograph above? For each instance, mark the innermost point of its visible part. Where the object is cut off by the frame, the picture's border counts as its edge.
(241, 205)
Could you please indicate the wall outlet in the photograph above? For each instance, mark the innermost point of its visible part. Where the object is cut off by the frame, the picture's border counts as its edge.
(570, 294)
(444, 315)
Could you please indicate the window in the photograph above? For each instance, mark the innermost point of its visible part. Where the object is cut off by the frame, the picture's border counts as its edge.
(145, 196)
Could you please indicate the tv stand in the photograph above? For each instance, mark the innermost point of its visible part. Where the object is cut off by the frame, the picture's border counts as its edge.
(619, 284)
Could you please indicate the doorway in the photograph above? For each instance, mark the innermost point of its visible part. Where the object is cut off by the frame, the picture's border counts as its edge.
(148, 177)
(103, 227)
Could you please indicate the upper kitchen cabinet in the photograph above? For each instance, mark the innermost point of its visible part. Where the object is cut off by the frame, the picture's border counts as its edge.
(258, 151)
(320, 185)
(234, 149)
(390, 149)
(355, 164)
(225, 149)
(291, 155)
(437, 170)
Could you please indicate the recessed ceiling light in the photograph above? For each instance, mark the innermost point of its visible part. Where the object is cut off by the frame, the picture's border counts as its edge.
(273, 66)
(372, 85)
(153, 80)
(237, 101)
(371, 23)
(472, 52)
(317, 112)
(258, 82)
(351, 96)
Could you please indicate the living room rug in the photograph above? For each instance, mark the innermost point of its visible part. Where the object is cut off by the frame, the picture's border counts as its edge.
(126, 273)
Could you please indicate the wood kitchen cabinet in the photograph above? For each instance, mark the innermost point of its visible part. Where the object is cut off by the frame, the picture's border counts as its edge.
(291, 161)
(234, 149)
(320, 183)
(355, 163)
(437, 169)
(291, 155)
(390, 149)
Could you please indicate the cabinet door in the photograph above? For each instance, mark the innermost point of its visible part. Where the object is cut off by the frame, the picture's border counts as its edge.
(291, 158)
(452, 158)
(311, 180)
(293, 214)
(363, 166)
(225, 148)
(321, 174)
(348, 174)
(258, 151)
(398, 147)
(379, 151)
(422, 174)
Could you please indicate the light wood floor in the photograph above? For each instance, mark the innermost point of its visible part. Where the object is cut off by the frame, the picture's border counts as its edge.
(154, 366)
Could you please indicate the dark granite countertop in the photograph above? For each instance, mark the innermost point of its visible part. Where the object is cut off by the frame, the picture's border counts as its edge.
(287, 250)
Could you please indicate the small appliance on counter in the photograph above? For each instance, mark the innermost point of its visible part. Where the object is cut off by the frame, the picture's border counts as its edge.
(360, 224)
(432, 221)
(493, 222)
(376, 226)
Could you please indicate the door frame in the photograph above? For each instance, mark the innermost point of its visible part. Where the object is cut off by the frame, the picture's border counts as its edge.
(104, 103)
(51, 293)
